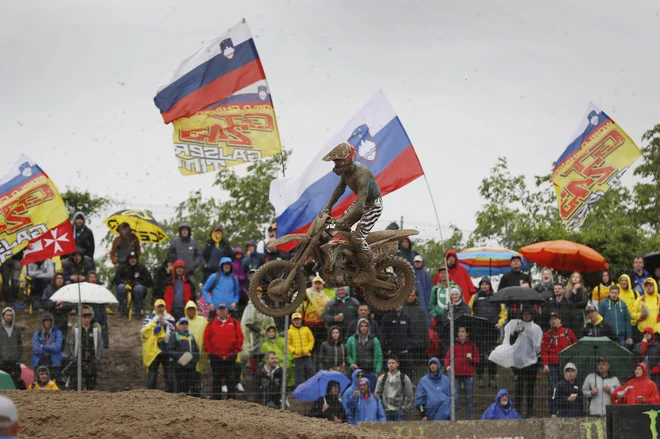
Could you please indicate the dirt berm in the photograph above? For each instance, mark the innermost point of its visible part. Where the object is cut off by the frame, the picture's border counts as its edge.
(151, 414)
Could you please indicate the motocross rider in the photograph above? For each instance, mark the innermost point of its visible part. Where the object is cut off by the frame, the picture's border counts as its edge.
(365, 210)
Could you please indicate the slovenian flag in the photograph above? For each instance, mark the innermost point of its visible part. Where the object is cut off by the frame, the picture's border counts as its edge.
(382, 145)
(228, 64)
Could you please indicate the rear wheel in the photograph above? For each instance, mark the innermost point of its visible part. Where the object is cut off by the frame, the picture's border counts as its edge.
(268, 281)
(395, 270)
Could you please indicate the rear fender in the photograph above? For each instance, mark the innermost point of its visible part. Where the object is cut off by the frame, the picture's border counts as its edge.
(294, 237)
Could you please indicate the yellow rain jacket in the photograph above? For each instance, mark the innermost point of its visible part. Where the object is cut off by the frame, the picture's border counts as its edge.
(652, 304)
(50, 386)
(629, 297)
(301, 341)
(197, 326)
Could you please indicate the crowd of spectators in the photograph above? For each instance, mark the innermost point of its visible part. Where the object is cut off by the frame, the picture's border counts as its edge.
(397, 360)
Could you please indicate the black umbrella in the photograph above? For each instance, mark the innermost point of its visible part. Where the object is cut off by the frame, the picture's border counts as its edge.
(473, 325)
(513, 295)
(651, 262)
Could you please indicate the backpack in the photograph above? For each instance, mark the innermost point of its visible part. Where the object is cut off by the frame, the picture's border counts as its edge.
(217, 279)
(552, 337)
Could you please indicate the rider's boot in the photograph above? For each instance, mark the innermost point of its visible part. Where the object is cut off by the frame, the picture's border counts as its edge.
(366, 261)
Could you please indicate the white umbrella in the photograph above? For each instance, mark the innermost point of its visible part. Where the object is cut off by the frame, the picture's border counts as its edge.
(89, 293)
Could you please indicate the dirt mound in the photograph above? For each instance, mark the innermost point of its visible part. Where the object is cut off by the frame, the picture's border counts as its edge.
(152, 413)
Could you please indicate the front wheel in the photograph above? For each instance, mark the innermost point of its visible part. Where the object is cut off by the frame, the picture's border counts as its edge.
(266, 291)
(395, 270)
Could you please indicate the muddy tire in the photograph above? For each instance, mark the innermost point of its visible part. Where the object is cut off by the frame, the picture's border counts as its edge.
(281, 304)
(403, 274)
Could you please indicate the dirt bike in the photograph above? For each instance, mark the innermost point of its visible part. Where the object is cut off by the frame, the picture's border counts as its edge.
(282, 283)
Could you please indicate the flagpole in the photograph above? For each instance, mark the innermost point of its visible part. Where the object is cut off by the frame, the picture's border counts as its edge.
(79, 341)
(285, 351)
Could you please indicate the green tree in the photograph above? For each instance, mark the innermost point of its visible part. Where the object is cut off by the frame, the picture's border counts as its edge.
(434, 251)
(248, 210)
(647, 192)
(79, 201)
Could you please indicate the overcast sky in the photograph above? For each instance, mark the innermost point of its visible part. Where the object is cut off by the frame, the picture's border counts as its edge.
(471, 81)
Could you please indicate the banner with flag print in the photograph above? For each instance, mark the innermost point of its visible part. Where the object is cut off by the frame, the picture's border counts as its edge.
(595, 160)
(382, 145)
(57, 241)
(29, 206)
(221, 106)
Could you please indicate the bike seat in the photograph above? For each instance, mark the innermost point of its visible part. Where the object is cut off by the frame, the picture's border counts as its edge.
(389, 234)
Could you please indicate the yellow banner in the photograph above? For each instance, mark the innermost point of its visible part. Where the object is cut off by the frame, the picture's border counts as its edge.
(226, 136)
(29, 206)
(590, 166)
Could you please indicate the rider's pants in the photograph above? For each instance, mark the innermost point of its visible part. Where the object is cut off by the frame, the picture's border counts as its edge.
(370, 215)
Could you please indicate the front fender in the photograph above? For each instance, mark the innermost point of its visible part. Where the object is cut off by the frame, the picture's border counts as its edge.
(294, 237)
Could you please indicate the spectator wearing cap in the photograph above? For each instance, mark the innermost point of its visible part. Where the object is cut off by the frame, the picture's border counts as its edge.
(161, 274)
(179, 290)
(458, 274)
(185, 248)
(598, 387)
(89, 345)
(253, 259)
(77, 266)
(42, 380)
(423, 284)
(123, 245)
(11, 346)
(301, 343)
(395, 390)
(516, 276)
(341, 310)
(184, 351)
(223, 340)
(136, 276)
(312, 313)
(363, 312)
(364, 406)
(555, 340)
(8, 418)
(596, 326)
(216, 248)
(615, 312)
(157, 328)
(47, 346)
(560, 305)
(568, 395)
(59, 310)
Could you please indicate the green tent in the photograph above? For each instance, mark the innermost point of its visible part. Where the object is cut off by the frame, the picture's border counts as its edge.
(6, 383)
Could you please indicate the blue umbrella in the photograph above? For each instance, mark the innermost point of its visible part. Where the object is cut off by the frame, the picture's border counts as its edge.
(316, 387)
(489, 261)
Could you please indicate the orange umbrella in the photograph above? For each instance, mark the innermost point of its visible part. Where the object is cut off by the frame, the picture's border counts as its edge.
(565, 256)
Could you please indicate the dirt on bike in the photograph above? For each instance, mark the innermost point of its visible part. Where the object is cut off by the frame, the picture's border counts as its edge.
(282, 284)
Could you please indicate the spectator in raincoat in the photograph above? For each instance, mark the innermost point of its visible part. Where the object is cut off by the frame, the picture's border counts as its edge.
(555, 340)
(440, 295)
(185, 248)
(501, 409)
(76, 267)
(301, 343)
(221, 287)
(216, 248)
(42, 380)
(135, 275)
(182, 348)
(364, 406)
(433, 395)
(629, 297)
(466, 358)
(342, 310)
(275, 343)
(648, 306)
(356, 376)
(330, 406)
(253, 325)
(459, 275)
(197, 325)
(615, 312)
(312, 312)
(637, 390)
(423, 284)
(11, 346)
(47, 346)
(123, 245)
(602, 291)
(648, 352)
(83, 235)
(157, 328)
(179, 290)
(364, 352)
(406, 250)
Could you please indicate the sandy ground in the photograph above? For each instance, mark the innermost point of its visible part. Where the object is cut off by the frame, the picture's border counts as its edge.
(144, 413)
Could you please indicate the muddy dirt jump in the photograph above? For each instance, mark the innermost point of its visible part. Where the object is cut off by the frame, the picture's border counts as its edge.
(153, 413)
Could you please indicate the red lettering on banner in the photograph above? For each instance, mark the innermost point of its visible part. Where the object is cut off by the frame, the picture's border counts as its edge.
(14, 214)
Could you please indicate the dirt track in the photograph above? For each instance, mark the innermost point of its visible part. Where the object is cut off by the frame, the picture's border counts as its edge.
(145, 413)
